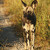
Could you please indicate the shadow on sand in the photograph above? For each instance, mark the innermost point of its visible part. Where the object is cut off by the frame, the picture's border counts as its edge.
(8, 37)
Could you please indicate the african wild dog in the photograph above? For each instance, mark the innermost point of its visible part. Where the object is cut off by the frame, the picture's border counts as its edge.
(29, 21)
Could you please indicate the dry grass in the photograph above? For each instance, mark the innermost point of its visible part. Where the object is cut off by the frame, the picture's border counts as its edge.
(43, 18)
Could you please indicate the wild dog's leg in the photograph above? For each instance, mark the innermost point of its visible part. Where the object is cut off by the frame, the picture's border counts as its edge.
(26, 41)
(33, 34)
(33, 38)
(24, 35)
(27, 38)
(31, 41)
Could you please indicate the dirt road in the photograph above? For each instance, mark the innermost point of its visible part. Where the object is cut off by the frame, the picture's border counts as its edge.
(8, 39)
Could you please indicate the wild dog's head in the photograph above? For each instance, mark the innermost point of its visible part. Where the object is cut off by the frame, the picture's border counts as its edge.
(28, 10)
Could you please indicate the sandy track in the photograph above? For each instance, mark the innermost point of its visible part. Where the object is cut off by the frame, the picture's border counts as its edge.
(7, 35)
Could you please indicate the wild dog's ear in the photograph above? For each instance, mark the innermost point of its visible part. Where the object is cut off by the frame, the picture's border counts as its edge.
(24, 3)
(34, 4)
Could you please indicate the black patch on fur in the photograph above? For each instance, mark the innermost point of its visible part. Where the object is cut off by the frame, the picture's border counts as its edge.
(31, 18)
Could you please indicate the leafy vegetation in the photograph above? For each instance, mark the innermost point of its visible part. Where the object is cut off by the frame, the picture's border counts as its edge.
(43, 19)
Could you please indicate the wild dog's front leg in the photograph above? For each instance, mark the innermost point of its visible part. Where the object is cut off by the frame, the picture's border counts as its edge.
(31, 41)
(26, 41)
(32, 36)
(27, 38)
(24, 35)
(26, 28)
